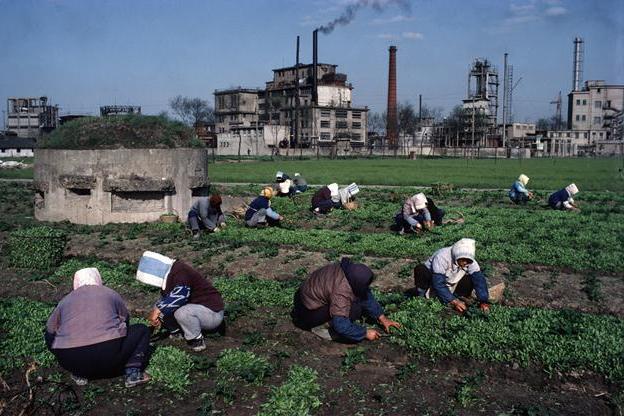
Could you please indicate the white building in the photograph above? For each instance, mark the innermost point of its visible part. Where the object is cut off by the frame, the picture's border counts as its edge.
(28, 116)
(13, 146)
(593, 108)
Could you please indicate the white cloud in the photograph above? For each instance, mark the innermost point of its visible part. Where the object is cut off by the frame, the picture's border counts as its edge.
(395, 19)
(387, 36)
(413, 35)
(556, 11)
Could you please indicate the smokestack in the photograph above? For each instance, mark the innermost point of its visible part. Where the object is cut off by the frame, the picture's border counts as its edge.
(577, 70)
(392, 122)
(314, 66)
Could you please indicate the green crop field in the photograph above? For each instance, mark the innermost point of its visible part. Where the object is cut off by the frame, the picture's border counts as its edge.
(588, 174)
(560, 320)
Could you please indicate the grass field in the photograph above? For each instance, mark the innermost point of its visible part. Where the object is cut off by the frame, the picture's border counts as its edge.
(17, 173)
(588, 174)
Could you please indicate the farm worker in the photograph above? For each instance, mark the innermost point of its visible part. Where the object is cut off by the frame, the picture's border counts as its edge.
(450, 271)
(281, 177)
(518, 192)
(339, 293)
(301, 185)
(414, 216)
(322, 201)
(206, 213)
(347, 194)
(89, 333)
(563, 200)
(437, 214)
(285, 188)
(260, 212)
(188, 302)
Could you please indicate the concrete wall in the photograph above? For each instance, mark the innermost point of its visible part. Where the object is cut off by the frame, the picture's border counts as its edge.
(119, 185)
(16, 152)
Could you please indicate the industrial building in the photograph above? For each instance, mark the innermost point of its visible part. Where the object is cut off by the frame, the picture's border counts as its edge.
(30, 116)
(303, 106)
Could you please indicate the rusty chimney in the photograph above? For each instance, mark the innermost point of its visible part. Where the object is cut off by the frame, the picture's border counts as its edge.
(392, 133)
(314, 67)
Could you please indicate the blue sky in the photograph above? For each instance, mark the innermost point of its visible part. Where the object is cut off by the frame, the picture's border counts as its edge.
(85, 53)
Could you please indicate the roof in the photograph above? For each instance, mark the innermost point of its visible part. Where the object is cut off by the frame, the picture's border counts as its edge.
(237, 90)
(14, 142)
(303, 66)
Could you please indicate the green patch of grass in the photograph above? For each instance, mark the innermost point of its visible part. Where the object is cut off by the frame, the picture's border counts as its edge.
(352, 357)
(116, 276)
(465, 394)
(247, 292)
(22, 323)
(236, 366)
(558, 340)
(299, 395)
(171, 367)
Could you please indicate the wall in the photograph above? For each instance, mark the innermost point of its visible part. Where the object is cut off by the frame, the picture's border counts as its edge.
(16, 153)
(120, 185)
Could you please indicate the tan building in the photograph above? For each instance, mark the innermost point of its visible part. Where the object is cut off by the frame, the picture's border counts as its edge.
(236, 108)
(28, 116)
(593, 108)
(520, 130)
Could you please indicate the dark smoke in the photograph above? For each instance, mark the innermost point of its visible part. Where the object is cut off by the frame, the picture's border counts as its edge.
(351, 10)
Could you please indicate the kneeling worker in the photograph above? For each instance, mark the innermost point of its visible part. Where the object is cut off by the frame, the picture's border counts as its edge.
(322, 202)
(189, 302)
(414, 216)
(518, 192)
(206, 214)
(450, 271)
(562, 199)
(260, 212)
(339, 293)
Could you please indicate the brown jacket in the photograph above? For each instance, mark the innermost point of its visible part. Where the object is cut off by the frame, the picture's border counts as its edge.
(328, 286)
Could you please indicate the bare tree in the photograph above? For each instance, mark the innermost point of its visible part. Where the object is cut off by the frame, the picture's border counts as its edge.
(376, 123)
(408, 119)
(192, 110)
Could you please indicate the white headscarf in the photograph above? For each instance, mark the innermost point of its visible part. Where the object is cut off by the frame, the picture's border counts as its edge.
(88, 276)
(523, 179)
(572, 189)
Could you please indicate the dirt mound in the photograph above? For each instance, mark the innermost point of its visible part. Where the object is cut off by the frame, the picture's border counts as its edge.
(114, 132)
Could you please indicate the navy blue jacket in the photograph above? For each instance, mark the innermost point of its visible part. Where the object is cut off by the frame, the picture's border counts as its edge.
(257, 204)
(558, 197)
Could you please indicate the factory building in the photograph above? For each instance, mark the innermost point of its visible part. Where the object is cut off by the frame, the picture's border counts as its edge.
(30, 116)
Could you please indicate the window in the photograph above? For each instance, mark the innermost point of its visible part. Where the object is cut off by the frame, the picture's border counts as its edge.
(576, 135)
(578, 117)
(584, 117)
(325, 113)
(77, 192)
(585, 135)
(325, 136)
(568, 134)
(325, 124)
(600, 134)
(598, 90)
(597, 120)
(357, 125)
(584, 102)
(578, 102)
(341, 113)
(356, 136)
(598, 104)
(18, 150)
(609, 104)
(356, 114)
(341, 124)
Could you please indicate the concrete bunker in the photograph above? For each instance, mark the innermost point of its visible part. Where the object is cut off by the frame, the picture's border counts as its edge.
(104, 185)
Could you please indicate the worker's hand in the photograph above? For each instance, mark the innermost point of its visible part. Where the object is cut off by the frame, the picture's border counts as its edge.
(153, 318)
(531, 195)
(281, 218)
(388, 323)
(216, 230)
(458, 305)
(222, 225)
(372, 334)
(485, 307)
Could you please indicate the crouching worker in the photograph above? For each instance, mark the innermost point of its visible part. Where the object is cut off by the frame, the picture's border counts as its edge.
(89, 334)
(260, 212)
(562, 200)
(451, 272)
(189, 302)
(339, 293)
(322, 202)
(206, 214)
(414, 216)
(518, 193)
(301, 185)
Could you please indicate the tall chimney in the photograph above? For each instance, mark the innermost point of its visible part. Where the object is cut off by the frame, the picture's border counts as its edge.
(577, 70)
(314, 67)
(392, 133)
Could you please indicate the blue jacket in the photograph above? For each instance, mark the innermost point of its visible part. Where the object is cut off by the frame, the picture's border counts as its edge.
(349, 329)
(556, 199)
(256, 205)
(517, 188)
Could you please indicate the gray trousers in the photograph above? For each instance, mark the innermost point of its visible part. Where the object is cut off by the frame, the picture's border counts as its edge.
(194, 318)
(258, 217)
(196, 223)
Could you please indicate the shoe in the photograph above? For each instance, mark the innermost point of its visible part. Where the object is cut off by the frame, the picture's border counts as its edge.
(196, 235)
(401, 231)
(80, 381)
(197, 344)
(322, 331)
(134, 377)
(176, 334)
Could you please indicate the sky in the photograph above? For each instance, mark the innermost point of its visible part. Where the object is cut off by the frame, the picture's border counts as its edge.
(85, 53)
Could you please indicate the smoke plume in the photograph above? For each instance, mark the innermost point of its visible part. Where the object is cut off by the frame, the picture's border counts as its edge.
(351, 10)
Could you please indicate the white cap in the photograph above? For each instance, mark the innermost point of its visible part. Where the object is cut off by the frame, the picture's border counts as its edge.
(333, 188)
(420, 201)
(464, 249)
(572, 189)
(523, 179)
(297, 174)
(153, 269)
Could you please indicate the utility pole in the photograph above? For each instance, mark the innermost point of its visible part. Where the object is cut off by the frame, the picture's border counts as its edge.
(505, 92)
(297, 133)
